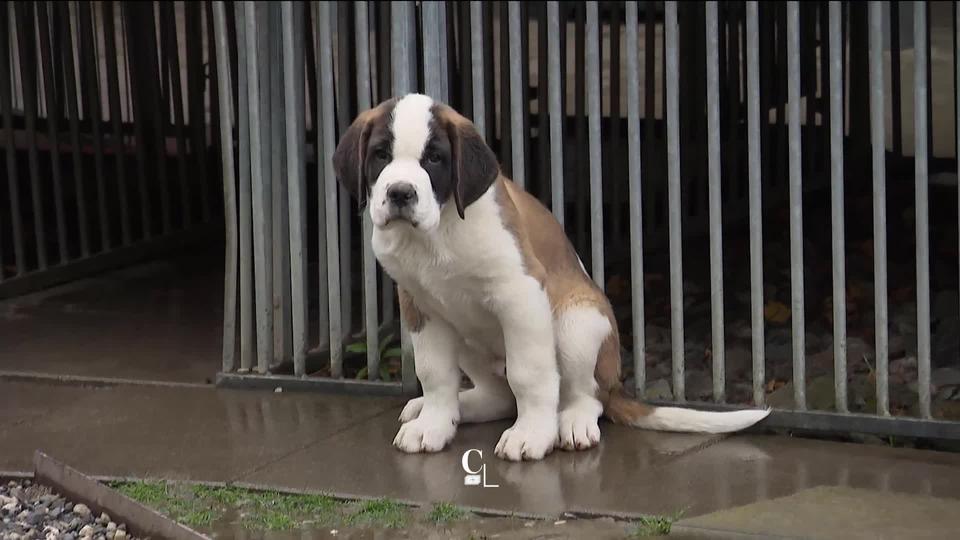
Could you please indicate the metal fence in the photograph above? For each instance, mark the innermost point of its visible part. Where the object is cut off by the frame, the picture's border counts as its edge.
(105, 137)
(658, 133)
(733, 108)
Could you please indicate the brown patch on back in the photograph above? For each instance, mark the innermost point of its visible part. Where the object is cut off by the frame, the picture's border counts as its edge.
(411, 314)
(549, 257)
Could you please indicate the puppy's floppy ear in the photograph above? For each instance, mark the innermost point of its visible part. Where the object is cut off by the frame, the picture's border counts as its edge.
(349, 159)
(475, 165)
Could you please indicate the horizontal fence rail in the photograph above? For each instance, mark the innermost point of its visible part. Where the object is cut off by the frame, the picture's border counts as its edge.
(708, 162)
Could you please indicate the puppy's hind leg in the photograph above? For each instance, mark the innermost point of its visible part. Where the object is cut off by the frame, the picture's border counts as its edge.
(490, 398)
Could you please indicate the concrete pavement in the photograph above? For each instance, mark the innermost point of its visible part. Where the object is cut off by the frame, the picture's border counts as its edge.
(342, 445)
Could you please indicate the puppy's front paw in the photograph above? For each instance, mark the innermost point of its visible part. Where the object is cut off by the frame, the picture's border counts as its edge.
(528, 440)
(411, 410)
(425, 434)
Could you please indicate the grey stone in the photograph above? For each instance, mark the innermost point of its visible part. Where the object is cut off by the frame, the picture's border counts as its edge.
(120, 535)
(104, 518)
(87, 531)
(69, 536)
(659, 390)
(81, 510)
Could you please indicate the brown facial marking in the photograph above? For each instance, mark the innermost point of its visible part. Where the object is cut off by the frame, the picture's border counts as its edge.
(475, 166)
(351, 163)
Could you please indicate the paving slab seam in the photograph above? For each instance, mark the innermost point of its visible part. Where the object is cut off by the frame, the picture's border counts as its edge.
(315, 442)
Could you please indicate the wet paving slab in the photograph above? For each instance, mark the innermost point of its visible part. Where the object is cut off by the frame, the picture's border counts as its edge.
(341, 445)
(631, 473)
(202, 434)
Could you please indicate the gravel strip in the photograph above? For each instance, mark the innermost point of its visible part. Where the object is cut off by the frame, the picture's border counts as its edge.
(30, 512)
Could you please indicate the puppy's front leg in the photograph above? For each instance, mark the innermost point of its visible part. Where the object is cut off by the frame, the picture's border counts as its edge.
(435, 345)
(525, 316)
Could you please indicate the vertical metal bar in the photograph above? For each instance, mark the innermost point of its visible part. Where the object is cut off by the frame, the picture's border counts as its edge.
(921, 203)
(116, 121)
(28, 78)
(476, 50)
(6, 102)
(369, 261)
(229, 188)
(324, 33)
(47, 65)
(168, 31)
(433, 50)
(261, 195)
(555, 100)
(517, 95)
(596, 166)
(280, 256)
(293, 49)
(836, 191)
(91, 93)
(340, 17)
(673, 196)
(878, 139)
(755, 200)
(796, 204)
(716, 220)
(635, 191)
(323, 318)
(402, 73)
(247, 319)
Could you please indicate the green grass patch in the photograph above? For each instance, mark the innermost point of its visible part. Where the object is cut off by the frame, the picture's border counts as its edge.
(655, 525)
(444, 512)
(379, 513)
(166, 499)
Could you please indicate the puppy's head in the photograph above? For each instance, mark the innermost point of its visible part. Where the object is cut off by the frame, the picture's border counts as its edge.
(409, 158)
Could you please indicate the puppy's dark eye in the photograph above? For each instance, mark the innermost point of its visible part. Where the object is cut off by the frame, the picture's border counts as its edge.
(381, 155)
(434, 158)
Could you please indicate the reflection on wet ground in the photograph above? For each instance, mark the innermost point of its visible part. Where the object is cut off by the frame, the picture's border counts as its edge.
(342, 445)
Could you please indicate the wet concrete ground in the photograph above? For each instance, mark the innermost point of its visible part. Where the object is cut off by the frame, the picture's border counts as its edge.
(341, 445)
(160, 321)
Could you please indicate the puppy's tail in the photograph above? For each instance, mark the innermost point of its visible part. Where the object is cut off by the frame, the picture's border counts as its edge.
(621, 409)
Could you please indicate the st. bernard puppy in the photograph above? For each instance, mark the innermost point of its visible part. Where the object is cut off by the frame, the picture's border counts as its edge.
(489, 284)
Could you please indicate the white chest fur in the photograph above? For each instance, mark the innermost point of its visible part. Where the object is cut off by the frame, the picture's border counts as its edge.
(452, 270)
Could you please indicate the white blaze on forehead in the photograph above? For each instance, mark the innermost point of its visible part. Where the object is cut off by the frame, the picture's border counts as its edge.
(411, 126)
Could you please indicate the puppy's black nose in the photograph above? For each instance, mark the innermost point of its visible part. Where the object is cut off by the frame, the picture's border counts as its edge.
(402, 194)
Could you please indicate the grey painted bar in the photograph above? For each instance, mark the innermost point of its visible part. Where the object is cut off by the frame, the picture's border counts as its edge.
(755, 202)
(796, 205)
(636, 203)
(673, 198)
